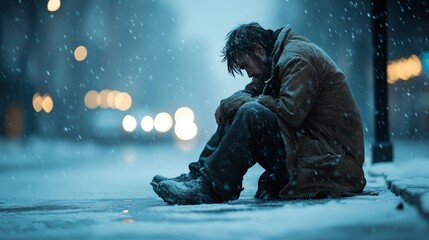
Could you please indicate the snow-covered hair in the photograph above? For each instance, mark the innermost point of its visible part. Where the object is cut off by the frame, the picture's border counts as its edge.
(242, 40)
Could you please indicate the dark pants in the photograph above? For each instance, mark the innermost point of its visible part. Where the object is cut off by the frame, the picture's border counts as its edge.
(252, 137)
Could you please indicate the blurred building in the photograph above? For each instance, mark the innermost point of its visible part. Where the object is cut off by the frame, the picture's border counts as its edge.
(130, 47)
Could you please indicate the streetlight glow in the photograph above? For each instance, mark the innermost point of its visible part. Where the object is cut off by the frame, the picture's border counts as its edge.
(111, 99)
(47, 103)
(129, 123)
(185, 114)
(147, 124)
(37, 102)
(185, 130)
(163, 122)
(91, 99)
(123, 101)
(404, 69)
(53, 5)
(102, 98)
(80, 53)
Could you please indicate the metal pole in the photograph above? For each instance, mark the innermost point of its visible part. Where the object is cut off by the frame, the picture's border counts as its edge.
(381, 148)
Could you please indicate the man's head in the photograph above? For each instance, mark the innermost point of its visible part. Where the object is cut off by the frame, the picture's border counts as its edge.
(249, 47)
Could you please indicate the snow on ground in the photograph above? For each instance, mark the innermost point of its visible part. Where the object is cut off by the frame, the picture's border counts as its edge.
(90, 191)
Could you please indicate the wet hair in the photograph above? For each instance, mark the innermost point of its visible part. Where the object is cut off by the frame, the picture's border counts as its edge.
(242, 40)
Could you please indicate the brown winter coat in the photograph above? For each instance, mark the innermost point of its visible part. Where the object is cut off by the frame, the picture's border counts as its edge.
(320, 122)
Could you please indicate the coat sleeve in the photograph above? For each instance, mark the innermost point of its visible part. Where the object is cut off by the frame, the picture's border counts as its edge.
(228, 107)
(297, 94)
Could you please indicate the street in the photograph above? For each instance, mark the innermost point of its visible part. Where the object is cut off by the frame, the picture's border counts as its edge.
(59, 189)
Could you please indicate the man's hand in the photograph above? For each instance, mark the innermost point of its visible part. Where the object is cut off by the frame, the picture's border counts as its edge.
(220, 116)
(228, 107)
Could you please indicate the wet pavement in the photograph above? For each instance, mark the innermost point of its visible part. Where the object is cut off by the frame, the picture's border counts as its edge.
(62, 190)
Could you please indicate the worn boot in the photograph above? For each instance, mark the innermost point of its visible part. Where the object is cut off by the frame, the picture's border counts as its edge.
(181, 178)
(195, 191)
(268, 187)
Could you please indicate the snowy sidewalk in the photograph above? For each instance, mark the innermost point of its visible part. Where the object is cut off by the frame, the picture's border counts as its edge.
(408, 179)
(64, 190)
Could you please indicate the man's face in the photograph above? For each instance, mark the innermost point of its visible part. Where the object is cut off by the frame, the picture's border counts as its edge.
(255, 65)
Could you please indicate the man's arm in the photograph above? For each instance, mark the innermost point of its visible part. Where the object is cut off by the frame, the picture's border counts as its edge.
(298, 91)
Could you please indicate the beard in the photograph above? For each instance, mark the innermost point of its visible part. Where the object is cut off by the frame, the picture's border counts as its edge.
(266, 68)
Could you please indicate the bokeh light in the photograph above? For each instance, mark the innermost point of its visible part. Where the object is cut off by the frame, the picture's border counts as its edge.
(102, 98)
(107, 98)
(184, 114)
(111, 99)
(404, 69)
(37, 102)
(129, 123)
(80, 53)
(147, 123)
(91, 99)
(163, 122)
(123, 101)
(185, 130)
(47, 103)
(53, 5)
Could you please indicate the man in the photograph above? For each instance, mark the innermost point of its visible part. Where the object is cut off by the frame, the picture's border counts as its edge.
(297, 119)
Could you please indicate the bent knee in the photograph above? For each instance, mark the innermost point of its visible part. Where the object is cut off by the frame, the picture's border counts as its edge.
(254, 110)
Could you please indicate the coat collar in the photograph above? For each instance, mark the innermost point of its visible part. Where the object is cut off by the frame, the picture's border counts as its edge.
(284, 35)
(282, 39)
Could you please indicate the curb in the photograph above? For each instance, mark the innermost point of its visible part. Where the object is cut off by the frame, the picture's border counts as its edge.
(415, 195)
(409, 181)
